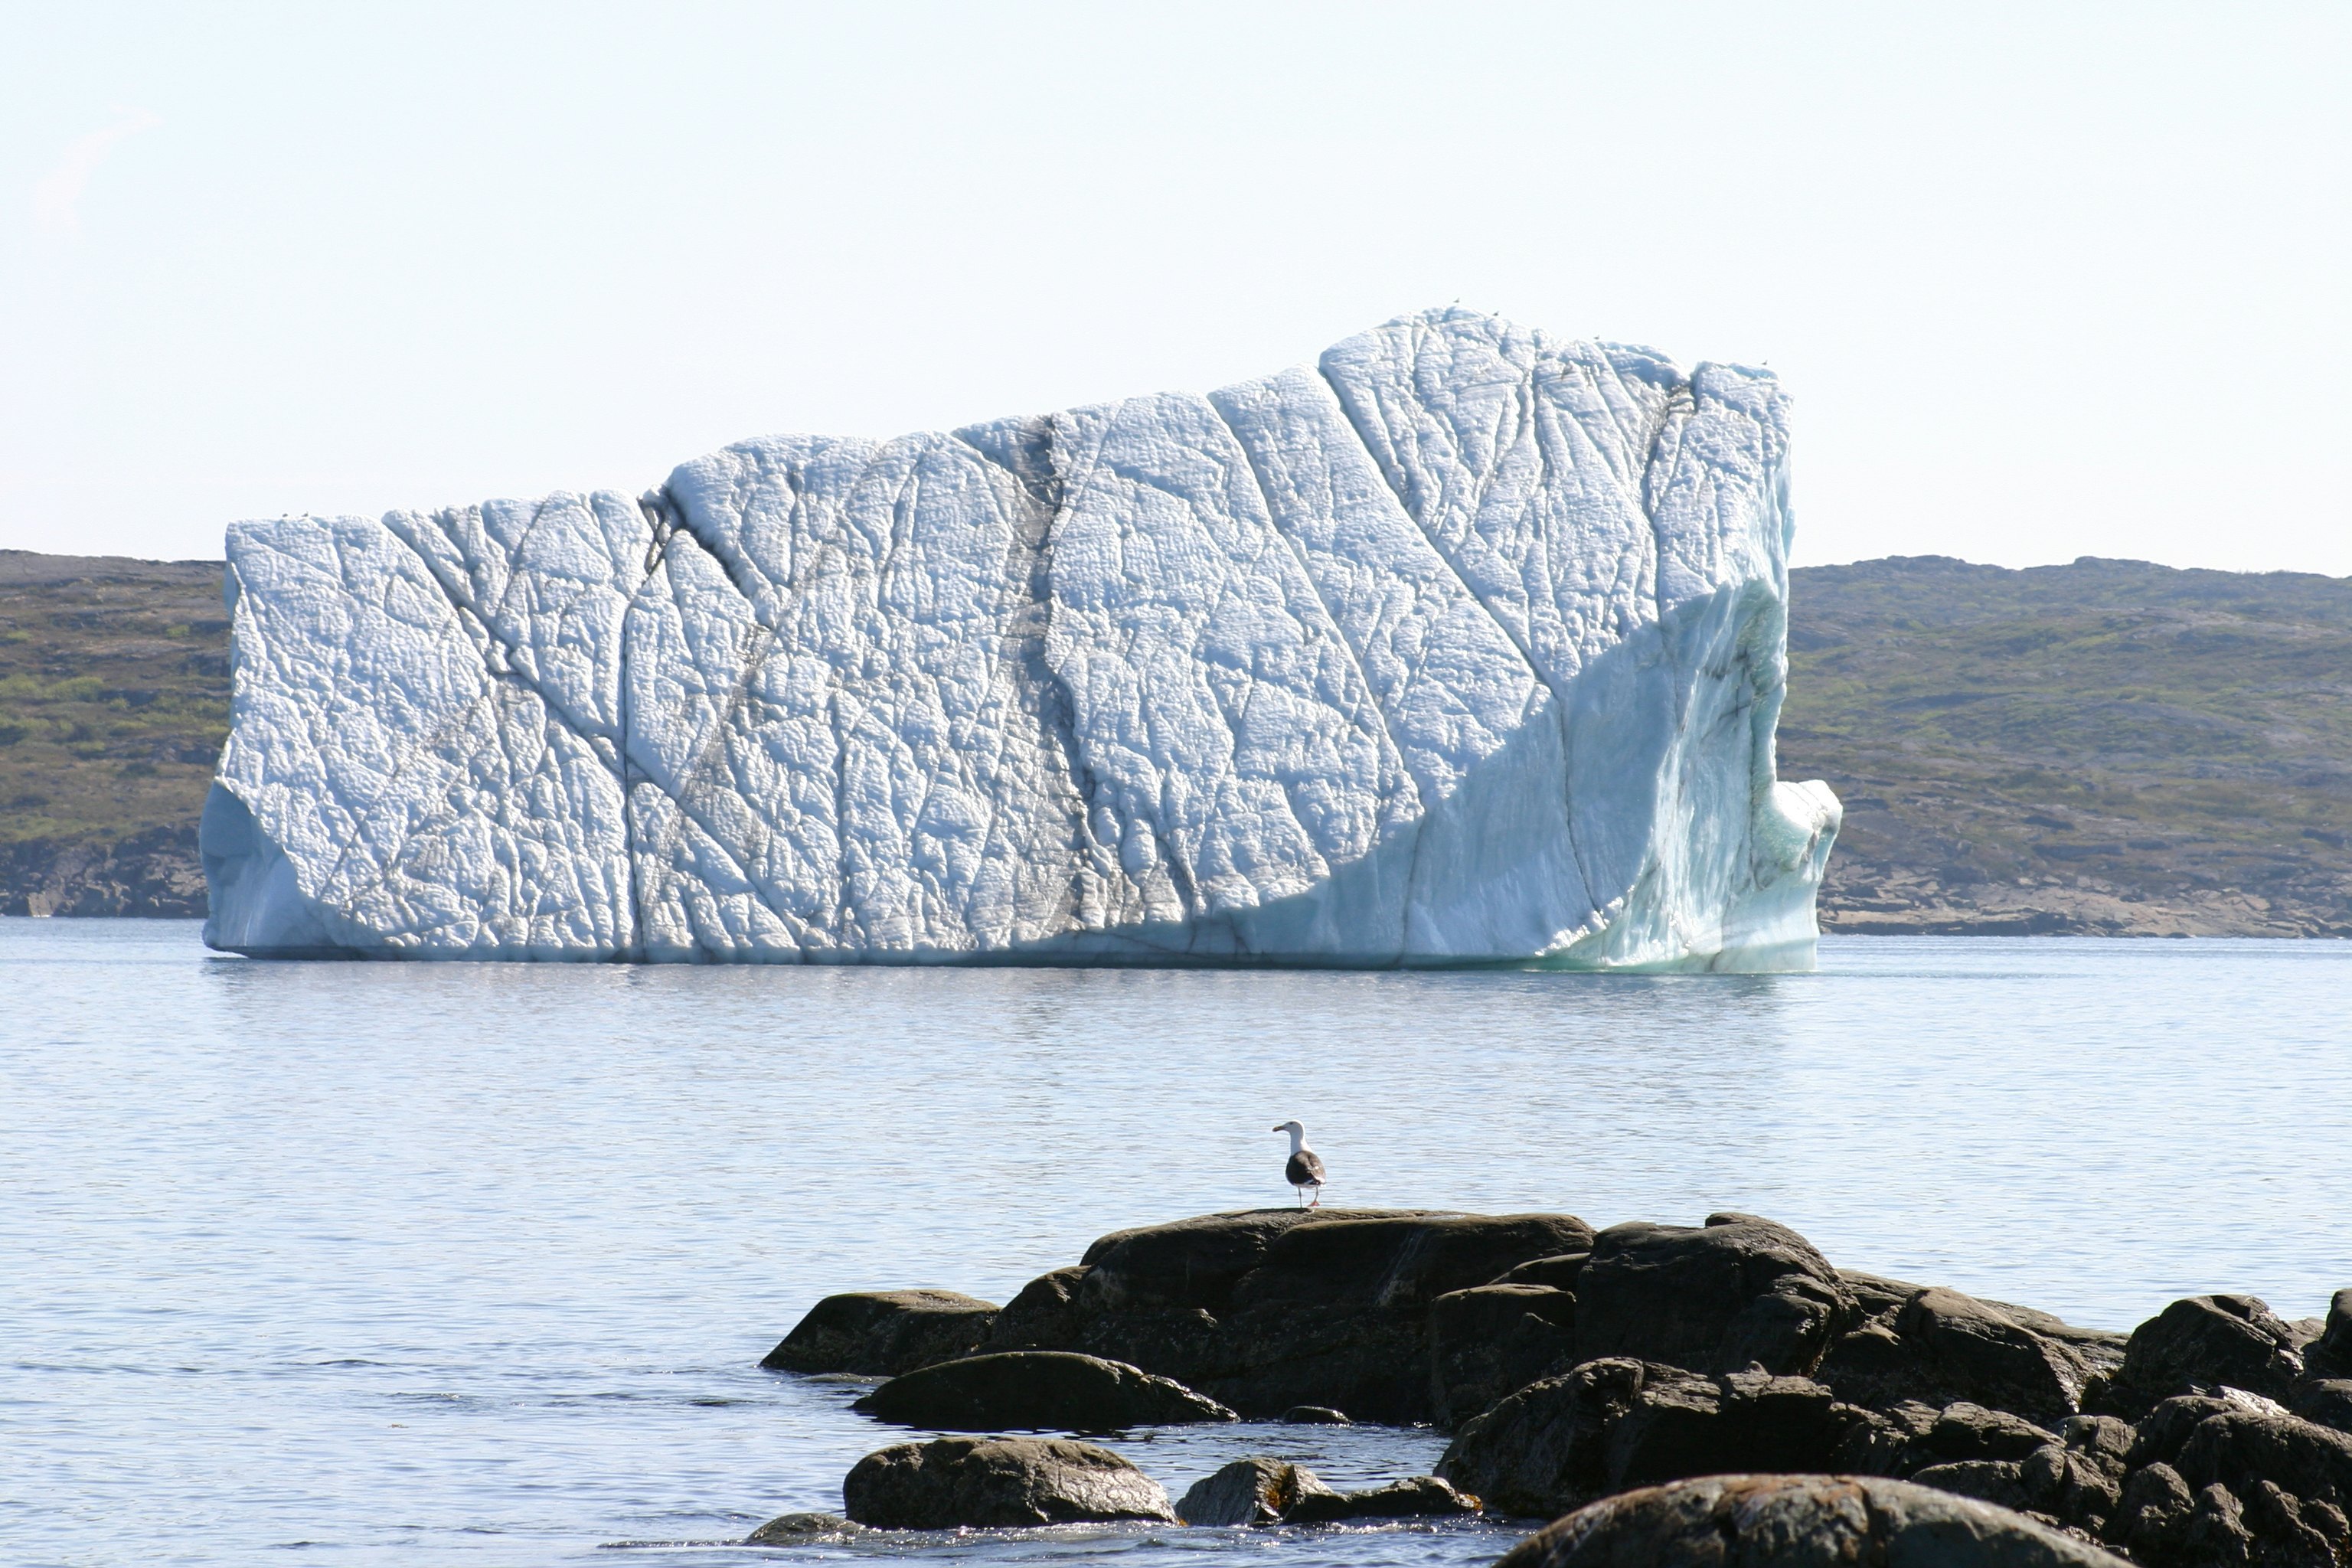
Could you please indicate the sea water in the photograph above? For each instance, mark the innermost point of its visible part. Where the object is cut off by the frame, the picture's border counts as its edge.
(362, 1263)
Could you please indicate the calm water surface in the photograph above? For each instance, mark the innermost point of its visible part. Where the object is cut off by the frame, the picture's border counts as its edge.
(347, 1264)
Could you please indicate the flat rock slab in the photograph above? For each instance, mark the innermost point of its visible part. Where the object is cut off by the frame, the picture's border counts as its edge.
(999, 1483)
(1038, 1390)
(1798, 1521)
(883, 1334)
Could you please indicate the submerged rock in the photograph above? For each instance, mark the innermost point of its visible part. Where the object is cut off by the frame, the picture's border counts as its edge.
(1256, 1491)
(883, 1334)
(1464, 644)
(1039, 1390)
(1259, 1490)
(1000, 1482)
(1414, 1496)
(1798, 1521)
(798, 1529)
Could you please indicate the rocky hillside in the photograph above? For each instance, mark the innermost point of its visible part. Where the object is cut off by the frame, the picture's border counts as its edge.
(2102, 747)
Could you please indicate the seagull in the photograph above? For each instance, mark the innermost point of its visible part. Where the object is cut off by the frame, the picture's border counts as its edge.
(1305, 1168)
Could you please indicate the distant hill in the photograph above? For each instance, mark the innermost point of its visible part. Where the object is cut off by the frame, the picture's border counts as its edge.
(113, 704)
(2102, 747)
(2106, 746)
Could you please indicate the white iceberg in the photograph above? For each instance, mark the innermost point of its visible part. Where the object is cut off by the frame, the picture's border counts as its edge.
(1466, 646)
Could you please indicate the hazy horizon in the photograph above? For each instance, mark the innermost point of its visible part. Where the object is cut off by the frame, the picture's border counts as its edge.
(2042, 285)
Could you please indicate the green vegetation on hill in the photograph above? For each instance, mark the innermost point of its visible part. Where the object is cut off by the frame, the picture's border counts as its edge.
(113, 702)
(2106, 746)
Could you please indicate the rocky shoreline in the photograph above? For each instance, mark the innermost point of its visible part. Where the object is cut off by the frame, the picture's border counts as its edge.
(1645, 1383)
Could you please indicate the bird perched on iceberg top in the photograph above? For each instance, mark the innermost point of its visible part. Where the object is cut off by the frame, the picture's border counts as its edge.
(1305, 1167)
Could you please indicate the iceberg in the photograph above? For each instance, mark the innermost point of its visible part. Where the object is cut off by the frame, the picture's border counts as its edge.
(1466, 645)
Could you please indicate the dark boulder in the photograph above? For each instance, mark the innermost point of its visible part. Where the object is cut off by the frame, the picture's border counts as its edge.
(2235, 1480)
(1415, 1497)
(1798, 1521)
(1265, 1310)
(2079, 1479)
(1494, 1340)
(2330, 1356)
(1560, 1272)
(1998, 1482)
(2327, 1402)
(1186, 1263)
(882, 1333)
(1001, 1482)
(1940, 1346)
(1618, 1423)
(1964, 1431)
(1035, 1389)
(1044, 1316)
(1269, 1308)
(1400, 1261)
(1315, 1416)
(2202, 1344)
(1256, 1491)
(1740, 1290)
(2240, 1448)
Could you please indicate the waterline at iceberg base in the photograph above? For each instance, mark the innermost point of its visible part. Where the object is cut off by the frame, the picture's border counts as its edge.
(1464, 645)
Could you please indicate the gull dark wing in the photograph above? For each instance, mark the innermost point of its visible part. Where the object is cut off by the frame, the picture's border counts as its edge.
(1305, 1170)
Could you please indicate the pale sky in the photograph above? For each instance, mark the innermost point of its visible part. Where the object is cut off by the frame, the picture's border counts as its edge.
(2044, 280)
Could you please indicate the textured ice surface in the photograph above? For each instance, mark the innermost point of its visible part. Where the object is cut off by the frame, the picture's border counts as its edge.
(1466, 645)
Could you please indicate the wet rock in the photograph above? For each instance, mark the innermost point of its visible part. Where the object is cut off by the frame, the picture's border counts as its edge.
(1256, 1491)
(1739, 1290)
(799, 1529)
(2202, 1344)
(2327, 1402)
(1560, 1272)
(1315, 1416)
(882, 1333)
(1799, 1521)
(1415, 1497)
(2330, 1356)
(1000, 1482)
(1036, 1389)
(1493, 1340)
(1044, 1316)
(1617, 1423)
(1940, 1346)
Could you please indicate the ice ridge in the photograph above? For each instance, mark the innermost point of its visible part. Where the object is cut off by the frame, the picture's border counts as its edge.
(1466, 645)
